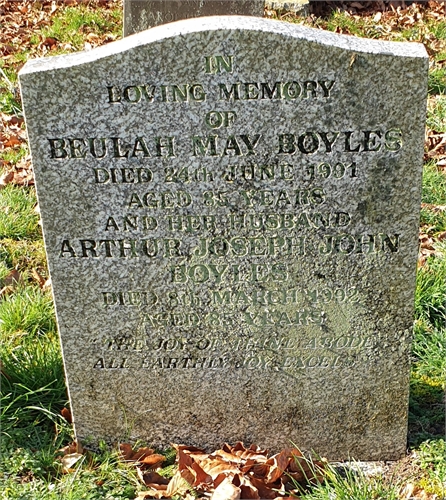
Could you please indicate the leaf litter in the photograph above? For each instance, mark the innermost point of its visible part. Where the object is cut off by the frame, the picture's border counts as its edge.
(237, 472)
(69, 455)
(21, 21)
(232, 472)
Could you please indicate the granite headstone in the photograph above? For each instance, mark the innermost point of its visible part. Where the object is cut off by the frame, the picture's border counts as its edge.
(230, 209)
(140, 15)
(299, 7)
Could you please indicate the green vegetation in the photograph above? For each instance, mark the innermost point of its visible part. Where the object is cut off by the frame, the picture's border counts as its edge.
(437, 82)
(430, 306)
(9, 103)
(73, 25)
(37, 475)
(426, 405)
(352, 484)
(433, 197)
(432, 460)
(33, 391)
(436, 115)
(18, 219)
(26, 255)
(12, 156)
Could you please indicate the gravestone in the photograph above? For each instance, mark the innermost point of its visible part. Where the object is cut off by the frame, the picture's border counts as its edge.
(230, 211)
(140, 15)
(300, 7)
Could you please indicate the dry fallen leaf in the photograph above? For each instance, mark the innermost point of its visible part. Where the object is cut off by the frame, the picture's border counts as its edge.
(70, 455)
(247, 489)
(177, 485)
(377, 17)
(233, 471)
(13, 279)
(69, 460)
(41, 282)
(279, 463)
(6, 290)
(215, 466)
(47, 285)
(146, 457)
(126, 451)
(66, 414)
(152, 479)
(73, 447)
(50, 42)
(6, 178)
(201, 479)
(143, 495)
(265, 491)
(226, 491)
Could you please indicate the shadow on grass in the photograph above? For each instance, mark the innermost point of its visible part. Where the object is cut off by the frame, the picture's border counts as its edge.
(426, 410)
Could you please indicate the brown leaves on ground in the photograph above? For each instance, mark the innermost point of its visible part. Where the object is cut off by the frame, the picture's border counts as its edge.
(415, 492)
(10, 282)
(20, 21)
(395, 12)
(20, 174)
(12, 139)
(234, 472)
(70, 455)
(435, 148)
(66, 414)
(386, 17)
(427, 241)
(146, 457)
(426, 248)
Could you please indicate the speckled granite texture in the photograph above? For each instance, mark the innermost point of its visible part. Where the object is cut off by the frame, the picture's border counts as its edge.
(301, 7)
(230, 210)
(140, 15)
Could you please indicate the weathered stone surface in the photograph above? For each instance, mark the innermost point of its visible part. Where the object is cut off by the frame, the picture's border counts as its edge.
(230, 210)
(301, 7)
(140, 15)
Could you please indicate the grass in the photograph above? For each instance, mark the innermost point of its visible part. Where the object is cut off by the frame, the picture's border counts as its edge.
(436, 113)
(13, 155)
(432, 460)
(9, 99)
(350, 484)
(73, 24)
(95, 477)
(26, 255)
(33, 390)
(430, 305)
(429, 349)
(18, 219)
(26, 314)
(426, 409)
(437, 82)
(433, 197)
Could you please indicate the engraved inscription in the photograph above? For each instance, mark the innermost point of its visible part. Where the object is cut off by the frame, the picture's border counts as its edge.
(219, 64)
(229, 213)
(308, 89)
(307, 143)
(343, 243)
